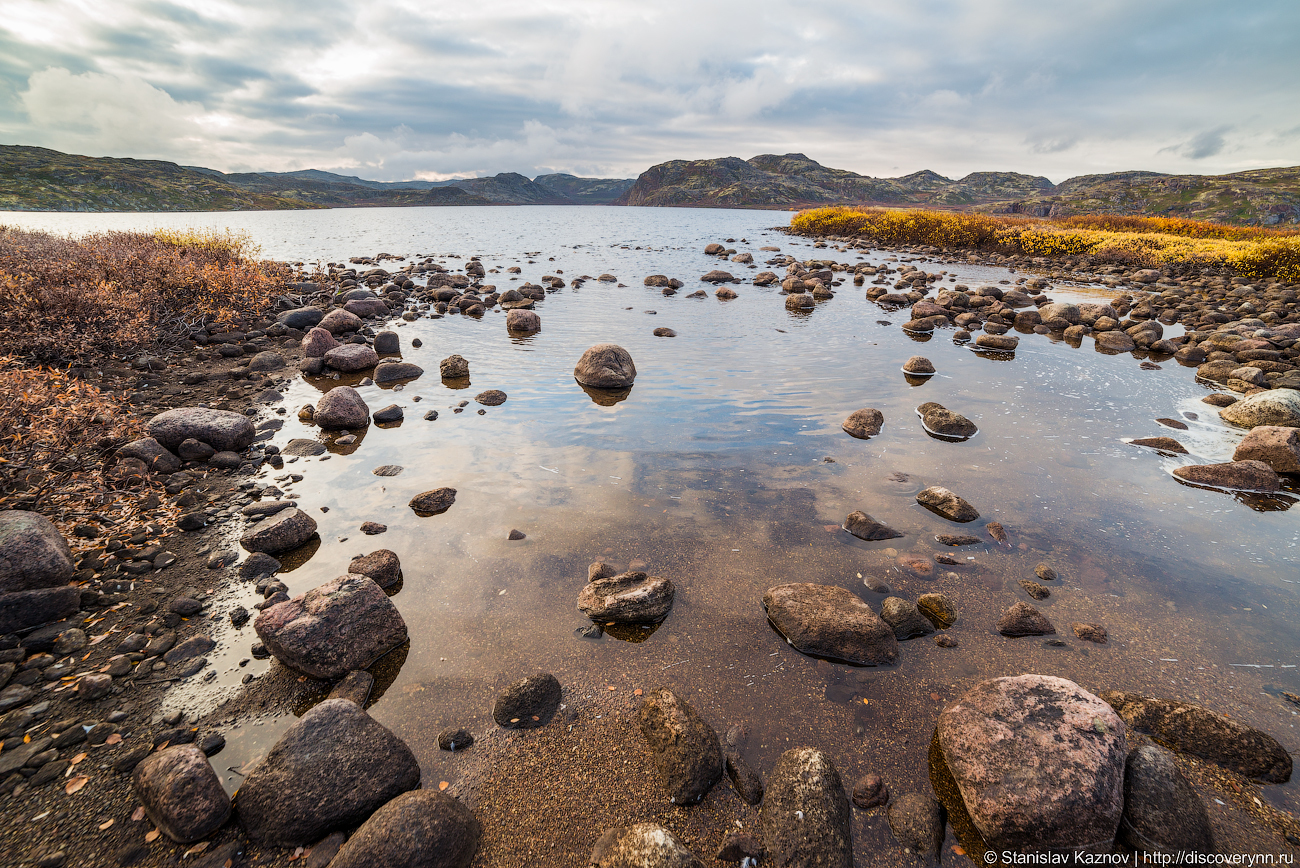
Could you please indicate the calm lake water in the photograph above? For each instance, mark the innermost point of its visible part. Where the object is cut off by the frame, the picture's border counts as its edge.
(726, 470)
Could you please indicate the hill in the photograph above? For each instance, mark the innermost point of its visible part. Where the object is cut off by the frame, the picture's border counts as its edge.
(1262, 196)
(586, 191)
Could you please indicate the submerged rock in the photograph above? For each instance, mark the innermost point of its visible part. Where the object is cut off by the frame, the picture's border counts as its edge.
(805, 818)
(1162, 813)
(938, 608)
(828, 621)
(1164, 444)
(686, 752)
(918, 823)
(528, 703)
(903, 616)
(865, 527)
(1039, 764)
(1023, 619)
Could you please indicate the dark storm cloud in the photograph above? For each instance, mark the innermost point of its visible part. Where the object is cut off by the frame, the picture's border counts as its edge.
(388, 89)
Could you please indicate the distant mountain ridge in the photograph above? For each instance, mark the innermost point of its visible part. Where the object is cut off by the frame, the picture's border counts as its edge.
(1265, 196)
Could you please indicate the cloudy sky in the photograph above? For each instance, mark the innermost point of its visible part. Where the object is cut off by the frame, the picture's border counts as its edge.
(399, 89)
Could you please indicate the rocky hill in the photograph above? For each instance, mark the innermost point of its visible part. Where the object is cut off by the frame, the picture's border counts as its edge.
(1263, 196)
(38, 179)
(586, 191)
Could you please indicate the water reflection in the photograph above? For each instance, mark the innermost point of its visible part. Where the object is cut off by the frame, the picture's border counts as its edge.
(606, 397)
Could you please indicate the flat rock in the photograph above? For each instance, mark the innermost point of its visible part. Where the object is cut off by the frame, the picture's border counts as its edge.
(947, 504)
(1164, 444)
(1039, 764)
(420, 829)
(347, 623)
(304, 448)
(33, 554)
(1023, 619)
(1194, 730)
(938, 419)
(351, 357)
(1235, 475)
(1270, 407)
(1162, 813)
(434, 502)
(629, 598)
(491, 398)
(644, 845)
(865, 527)
(1275, 445)
(396, 372)
(829, 621)
(605, 366)
(686, 751)
(864, 423)
(330, 771)
(805, 816)
(284, 531)
(528, 703)
(224, 431)
(999, 343)
(23, 609)
(340, 409)
(181, 793)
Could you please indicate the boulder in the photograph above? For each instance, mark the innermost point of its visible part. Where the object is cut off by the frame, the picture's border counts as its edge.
(347, 623)
(938, 419)
(367, 307)
(1115, 341)
(223, 430)
(329, 771)
(1270, 407)
(1023, 619)
(284, 531)
(864, 423)
(382, 566)
(181, 793)
(454, 367)
(302, 318)
(351, 357)
(267, 360)
(1235, 475)
(865, 527)
(528, 703)
(828, 621)
(420, 829)
(1275, 445)
(1039, 764)
(396, 372)
(434, 502)
(23, 609)
(33, 554)
(942, 501)
(685, 748)
(1060, 310)
(903, 616)
(997, 343)
(338, 321)
(523, 321)
(605, 366)
(342, 408)
(805, 816)
(1194, 730)
(630, 598)
(918, 366)
(644, 845)
(1162, 813)
(717, 276)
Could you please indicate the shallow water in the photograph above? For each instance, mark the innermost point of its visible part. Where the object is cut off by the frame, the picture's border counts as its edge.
(714, 472)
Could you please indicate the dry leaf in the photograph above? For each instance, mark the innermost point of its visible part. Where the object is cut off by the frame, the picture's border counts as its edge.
(76, 784)
(197, 849)
(138, 814)
(105, 825)
(638, 692)
(78, 758)
(611, 687)
(95, 640)
(150, 837)
(114, 738)
(442, 785)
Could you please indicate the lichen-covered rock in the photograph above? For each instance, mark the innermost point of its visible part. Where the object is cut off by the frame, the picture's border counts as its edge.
(1270, 407)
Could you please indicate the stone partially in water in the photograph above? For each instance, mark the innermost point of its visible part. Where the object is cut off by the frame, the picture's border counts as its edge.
(903, 616)
(686, 751)
(605, 366)
(1023, 619)
(947, 504)
(1162, 813)
(1191, 729)
(865, 527)
(805, 818)
(944, 422)
(870, 792)
(1164, 444)
(1035, 590)
(491, 398)
(1038, 762)
(1235, 475)
(454, 368)
(828, 621)
(918, 823)
(351, 357)
(396, 372)
(919, 366)
(644, 845)
(342, 408)
(383, 566)
(938, 608)
(1275, 445)
(285, 531)
(864, 423)
(434, 502)
(528, 703)
(1270, 407)
(630, 598)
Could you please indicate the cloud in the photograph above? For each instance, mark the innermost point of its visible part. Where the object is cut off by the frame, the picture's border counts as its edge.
(1209, 143)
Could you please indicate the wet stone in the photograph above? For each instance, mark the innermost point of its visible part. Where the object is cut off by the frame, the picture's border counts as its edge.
(865, 527)
(903, 617)
(453, 739)
(686, 751)
(1035, 590)
(1023, 619)
(528, 703)
(870, 792)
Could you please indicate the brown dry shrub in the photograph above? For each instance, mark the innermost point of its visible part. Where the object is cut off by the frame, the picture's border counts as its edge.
(63, 299)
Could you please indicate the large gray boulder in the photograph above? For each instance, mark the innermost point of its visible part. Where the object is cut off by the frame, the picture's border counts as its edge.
(1039, 764)
(1270, 407)
(829, 621)
(223, 430)
(33, 554)
(1162, 813)
(685, 748)
(329, 771)
(420, 829)
(342, 408)
(630, 598)
(347, 623)
(181, 793)
(644, 845)
(605, 366)
(285, 531)
(805, 818)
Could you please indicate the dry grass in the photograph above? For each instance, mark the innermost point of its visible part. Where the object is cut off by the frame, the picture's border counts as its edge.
(1261, 254)
(64, 299)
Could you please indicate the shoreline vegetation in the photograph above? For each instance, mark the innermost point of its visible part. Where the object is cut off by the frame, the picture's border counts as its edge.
(1147, 242)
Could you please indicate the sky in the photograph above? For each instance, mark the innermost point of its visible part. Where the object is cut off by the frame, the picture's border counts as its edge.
(404, 89)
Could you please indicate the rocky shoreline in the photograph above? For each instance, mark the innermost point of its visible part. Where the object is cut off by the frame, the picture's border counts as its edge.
(95, 634)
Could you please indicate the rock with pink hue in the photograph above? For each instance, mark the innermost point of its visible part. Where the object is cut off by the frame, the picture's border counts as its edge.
(1235, 475)
(1275, 445)
(1039, 763)
(317, 343)
(341, 408)
(367, 307)
(345, 624)
(338, 321)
